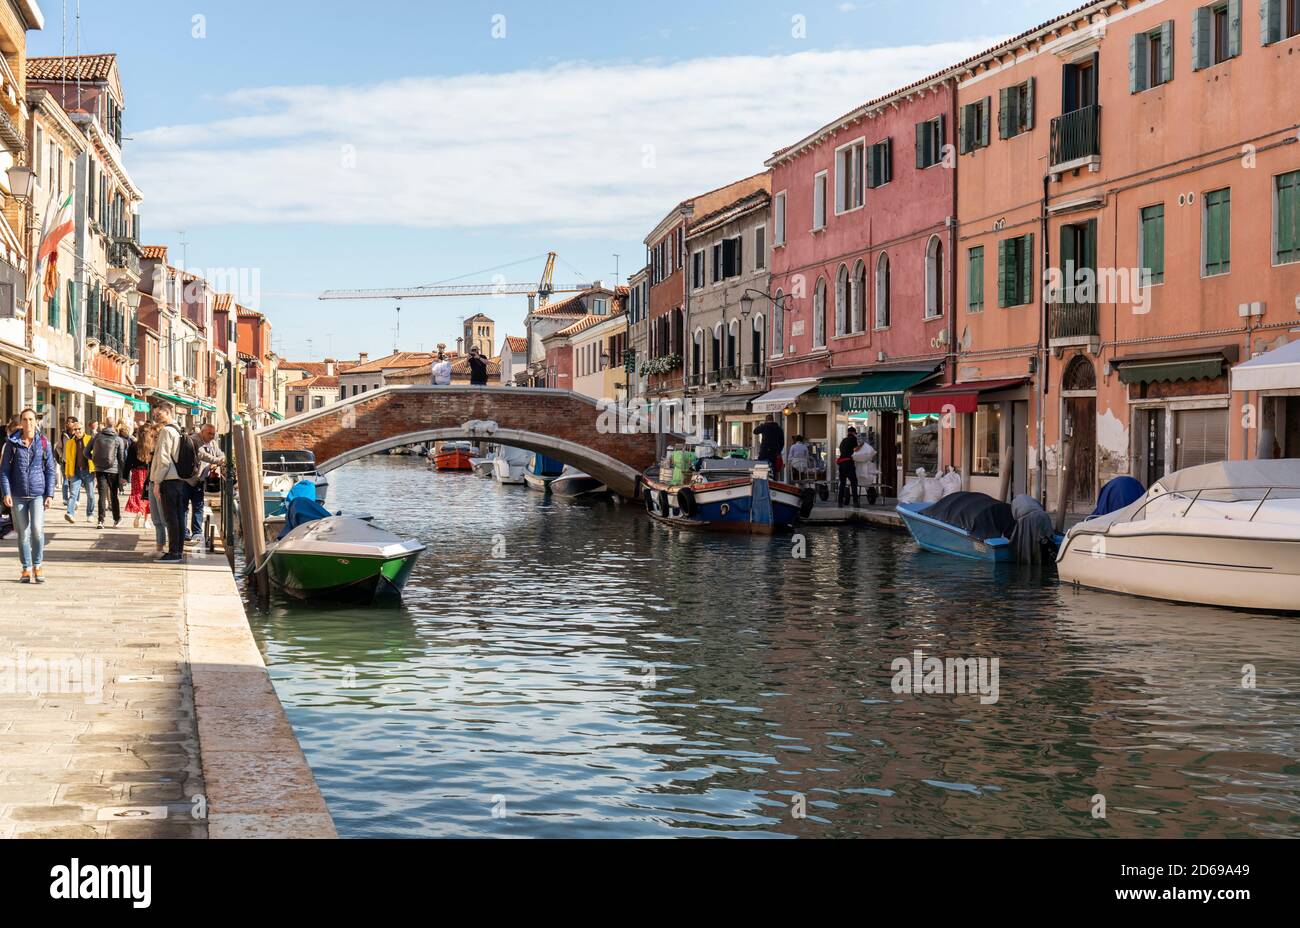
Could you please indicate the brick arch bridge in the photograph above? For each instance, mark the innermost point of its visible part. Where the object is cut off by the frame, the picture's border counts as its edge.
(557, 423)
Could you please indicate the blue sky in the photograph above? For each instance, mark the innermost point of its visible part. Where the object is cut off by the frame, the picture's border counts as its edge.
(397, 143)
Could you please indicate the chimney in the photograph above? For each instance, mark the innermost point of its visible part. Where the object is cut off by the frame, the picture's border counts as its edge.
(329, 367)
(363, 357)
(459, 343)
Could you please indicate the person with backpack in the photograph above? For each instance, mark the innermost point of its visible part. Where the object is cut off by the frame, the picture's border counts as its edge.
(27, 479)
(174, 463)
(109, 459)
(78, 470)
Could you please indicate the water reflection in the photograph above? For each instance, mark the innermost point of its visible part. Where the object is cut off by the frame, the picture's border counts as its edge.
(580, 671)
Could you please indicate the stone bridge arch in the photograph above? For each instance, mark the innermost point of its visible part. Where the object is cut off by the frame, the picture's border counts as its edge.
(557, 423)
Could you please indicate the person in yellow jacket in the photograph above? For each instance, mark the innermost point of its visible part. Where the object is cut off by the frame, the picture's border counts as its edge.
(79, 470)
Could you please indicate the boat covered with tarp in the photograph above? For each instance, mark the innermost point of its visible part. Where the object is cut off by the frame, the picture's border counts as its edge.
(979, 527)
(1223, 534)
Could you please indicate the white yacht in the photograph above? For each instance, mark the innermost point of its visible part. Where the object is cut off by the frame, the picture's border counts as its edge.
(1225, 534)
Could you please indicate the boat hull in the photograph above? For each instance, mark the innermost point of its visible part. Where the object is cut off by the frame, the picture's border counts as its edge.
(573, 486)
(1179, 566)
(452, 460)
(482, 467)
(725, 505)
(350, 579)
(942, 538)
(538, 482)
(507, 473)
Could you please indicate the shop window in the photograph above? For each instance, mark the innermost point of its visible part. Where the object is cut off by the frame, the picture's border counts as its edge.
(986, 453)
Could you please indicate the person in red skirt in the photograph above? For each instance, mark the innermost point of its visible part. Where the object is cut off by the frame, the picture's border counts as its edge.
(138, 457)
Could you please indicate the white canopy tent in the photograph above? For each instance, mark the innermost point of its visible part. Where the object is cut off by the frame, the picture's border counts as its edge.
(1278, 369)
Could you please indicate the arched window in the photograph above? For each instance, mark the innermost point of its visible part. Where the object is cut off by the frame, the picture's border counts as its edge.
(842, 301)
(1080, 375)
(733, 345)
(934, 278)
(778, 324)
(697, 355)
(819, 314)
(715, 349)
(882, 291)
(858, 297)
(756, 346)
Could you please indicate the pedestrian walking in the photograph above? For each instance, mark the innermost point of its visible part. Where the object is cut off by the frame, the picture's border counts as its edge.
(27, 478)
(138, 457)
(174, 462)
(109, 460)
(848, 470)
(209, 458)
(79, 471)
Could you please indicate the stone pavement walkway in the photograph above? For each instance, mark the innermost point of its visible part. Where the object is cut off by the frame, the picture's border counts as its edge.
(134, 702)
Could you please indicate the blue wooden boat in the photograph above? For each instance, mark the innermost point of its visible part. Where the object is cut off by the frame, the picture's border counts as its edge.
(725, 494)
(970, 525)
(946, 538)
(542, 472)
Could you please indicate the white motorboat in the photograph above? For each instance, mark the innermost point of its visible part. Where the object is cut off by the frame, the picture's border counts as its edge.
(482, 467)
(509, 464)
(573, 483)
(1224, 534)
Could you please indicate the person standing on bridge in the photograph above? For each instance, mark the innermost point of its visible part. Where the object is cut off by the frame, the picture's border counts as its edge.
(441, 370)
(478, 368)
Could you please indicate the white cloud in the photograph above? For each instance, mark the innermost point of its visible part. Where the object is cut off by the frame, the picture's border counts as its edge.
(578, 148)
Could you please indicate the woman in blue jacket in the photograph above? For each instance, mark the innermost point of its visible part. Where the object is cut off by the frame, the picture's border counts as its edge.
(27, 479)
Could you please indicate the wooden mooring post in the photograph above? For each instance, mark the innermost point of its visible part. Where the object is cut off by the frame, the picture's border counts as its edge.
(249, 470)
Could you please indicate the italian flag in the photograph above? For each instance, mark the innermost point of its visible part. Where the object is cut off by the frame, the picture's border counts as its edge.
(56, 231)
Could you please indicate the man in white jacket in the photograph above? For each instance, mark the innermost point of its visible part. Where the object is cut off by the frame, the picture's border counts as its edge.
(169, 487)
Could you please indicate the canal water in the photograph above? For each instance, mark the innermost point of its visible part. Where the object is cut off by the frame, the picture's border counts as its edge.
(574, 670)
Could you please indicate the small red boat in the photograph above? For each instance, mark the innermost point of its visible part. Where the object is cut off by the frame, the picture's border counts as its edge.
(454, 455)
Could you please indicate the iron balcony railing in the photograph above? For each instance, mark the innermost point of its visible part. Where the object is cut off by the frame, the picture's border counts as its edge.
(1076, 135)
(1074, 320)
(125, 253)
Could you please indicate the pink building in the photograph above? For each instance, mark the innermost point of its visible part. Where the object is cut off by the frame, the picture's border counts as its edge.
(863, 211)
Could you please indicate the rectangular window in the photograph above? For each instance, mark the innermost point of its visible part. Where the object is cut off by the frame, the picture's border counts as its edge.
(1216, 233)
(880, 164)
(1286, 215)
(1216, 33)
(819, 202)
(974, 129)
(778, 212)
(848, 176)
(717, 263)
(760, 248)
(986, 452)
(1016, 109)
(930, 137)
(1201, 437)
(1151, 58)
(732, 257)
(697, 270)
(975, 279)
(1016, 270)
(1151, 244)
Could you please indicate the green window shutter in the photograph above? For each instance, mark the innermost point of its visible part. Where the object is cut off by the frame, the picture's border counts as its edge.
(1138, 48)
(1218, 232)
(1002, 272)
(1004, 95)
(887, 172)
(940, 137)
(1167, 51)
(71, 314)
(1270, 21)
(1153, 244)
(963, 129)
(1026, 291)
(1069, 263)
(975, 278)
(1287, 232)
(1201, 43)
(1027, 116)
(922, 142)
(986, 118)
(1234, 28)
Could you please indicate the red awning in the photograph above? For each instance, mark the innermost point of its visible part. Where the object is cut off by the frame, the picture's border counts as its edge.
(959, 397)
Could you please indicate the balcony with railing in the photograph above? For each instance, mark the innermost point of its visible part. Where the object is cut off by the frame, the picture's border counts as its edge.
(1073, 322)
(1076, 139)
(124, 258)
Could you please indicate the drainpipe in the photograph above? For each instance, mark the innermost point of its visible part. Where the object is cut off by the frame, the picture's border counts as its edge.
(1043, 323)
(951, 354)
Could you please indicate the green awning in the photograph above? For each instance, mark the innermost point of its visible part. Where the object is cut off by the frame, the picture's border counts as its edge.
(137, 404)
(187, 403)
(1172, 370)
(276, 416)
(881, 390)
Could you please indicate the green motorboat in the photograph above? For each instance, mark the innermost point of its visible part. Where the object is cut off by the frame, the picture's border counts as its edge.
(341, 558)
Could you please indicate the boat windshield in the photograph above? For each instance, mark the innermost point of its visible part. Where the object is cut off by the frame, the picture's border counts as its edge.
(288, 462)
(1236, 503)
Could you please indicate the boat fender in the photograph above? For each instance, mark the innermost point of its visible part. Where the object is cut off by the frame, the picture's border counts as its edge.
(686, 501)
(649, 501)
(663, 503)
(807, 496)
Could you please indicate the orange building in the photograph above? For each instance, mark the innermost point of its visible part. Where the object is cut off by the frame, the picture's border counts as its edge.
(1145, 154)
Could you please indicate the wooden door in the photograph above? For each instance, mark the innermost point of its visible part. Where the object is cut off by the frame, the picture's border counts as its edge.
(1081, 429)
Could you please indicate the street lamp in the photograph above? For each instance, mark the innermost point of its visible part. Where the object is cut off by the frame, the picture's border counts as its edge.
(20, 181)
